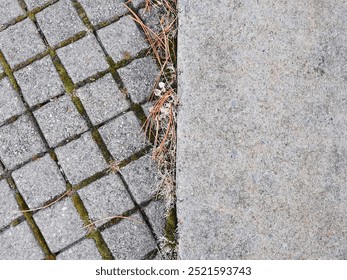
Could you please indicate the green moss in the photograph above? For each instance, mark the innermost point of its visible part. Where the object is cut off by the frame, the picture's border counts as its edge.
(64, 76)
(35, 229)
(170, 227)
(102, 146)
(138, 111)
(83, 15)
(75, 38)
(9, 72)
(90, 180)
(101, 245)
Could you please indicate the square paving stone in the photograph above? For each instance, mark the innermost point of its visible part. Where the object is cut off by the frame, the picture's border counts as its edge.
(1, 170)
(136, 3)
(8, 206)
(10, 102)
(19, 141)
(60, 22)
(39, 181)
(105, 198)
(60, 224)
(139, 77)
(129, 239)
(81, 158)
(142, 177)
(122, 38)
(59, 120)
(102, 10)
(83, 58)
(31, 4)
(39, 81)
(21, 42)
(156, 214)
(19, 243)
(84, 250)
(102, 99)
(123, 136)
(9, 10)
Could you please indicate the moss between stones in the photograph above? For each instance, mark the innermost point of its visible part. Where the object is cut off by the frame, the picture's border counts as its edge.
(170, 227)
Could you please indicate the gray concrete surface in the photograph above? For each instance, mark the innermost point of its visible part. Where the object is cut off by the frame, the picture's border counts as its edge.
(65, 118)
(262, 130)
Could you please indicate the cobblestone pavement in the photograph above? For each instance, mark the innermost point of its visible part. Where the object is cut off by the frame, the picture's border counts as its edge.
(74, 79)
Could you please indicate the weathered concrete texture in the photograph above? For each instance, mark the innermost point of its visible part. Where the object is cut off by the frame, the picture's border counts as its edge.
(60, 224)
(21, 42)
(81, 158)
(8, 206)
(83, 58)
(262, 130)
(18, 243)
(39, 81)
(39, 181)
(9, 10)
(19, 142)
(31, 4)
(84, 250)
(59, 120)
(142, 178)
(102, 99)
(105, 198)
(155, 212)
(122, 39)
(139, 77)
(130, 239)
(60, 22)
(10, 102)
(102, 10)
(123, 136)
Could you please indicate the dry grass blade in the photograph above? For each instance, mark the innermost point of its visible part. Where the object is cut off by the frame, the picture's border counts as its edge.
(113, 217)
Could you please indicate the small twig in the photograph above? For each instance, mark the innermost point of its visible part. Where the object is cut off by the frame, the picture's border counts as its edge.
(113, 217)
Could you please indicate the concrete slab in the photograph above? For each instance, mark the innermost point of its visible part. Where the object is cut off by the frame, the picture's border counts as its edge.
(84, 250)
(123, 136)
(83, 58)
(39, 181)
(122, 39)
(102, 99)
(139, 77)
(39, 81)
(262, 130)
(19, 142)
(31, 4)
(10, 102)
(59, 120)
(60, 22)
(21, 42)
(9, 10)
(9, 209)
(19, 243)
(130, 239)
(104, 198)
(81, 158)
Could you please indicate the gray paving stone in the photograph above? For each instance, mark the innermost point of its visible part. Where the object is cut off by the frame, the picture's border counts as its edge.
(106, 197)
(9, 10)
(39, 81)
(261, 157)
(147, 107)
(137, 3)
(102, 99)
(129, 239)
(19, 243)
(156, 214)
(60, 22)
(83, 58)
(60, 224)
(31, 4)
(139, 77)
(81, 158)
(21, 42)
(102, 10)
(152, 18)
(19, 141)
(8, 205)
(122, 38)
(1, 170)
(1, 68)
(39, 181)
(142, 176)
(123, 136)
(10, 102)
(84, 250)
(59, 120)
